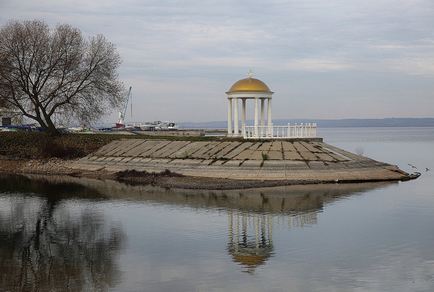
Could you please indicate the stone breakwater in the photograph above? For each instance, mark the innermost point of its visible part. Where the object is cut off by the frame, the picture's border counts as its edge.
(307, 160)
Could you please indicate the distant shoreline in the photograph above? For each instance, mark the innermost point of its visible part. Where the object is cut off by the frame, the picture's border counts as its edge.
(338, 123)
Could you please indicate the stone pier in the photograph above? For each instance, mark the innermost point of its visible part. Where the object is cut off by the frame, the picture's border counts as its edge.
(293, 160)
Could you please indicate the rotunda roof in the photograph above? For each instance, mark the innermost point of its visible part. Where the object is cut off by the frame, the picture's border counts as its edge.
(249, 84)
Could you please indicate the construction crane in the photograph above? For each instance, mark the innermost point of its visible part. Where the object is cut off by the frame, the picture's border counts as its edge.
(123, 110)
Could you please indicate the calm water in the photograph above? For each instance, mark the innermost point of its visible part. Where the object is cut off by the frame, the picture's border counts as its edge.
(67, 234)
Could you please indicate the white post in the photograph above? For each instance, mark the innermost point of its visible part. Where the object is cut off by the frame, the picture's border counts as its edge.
(243, 117)
(256, 117)
(229, 116)
(262, 116)
(269, 121)
(269, 112)
(289, 130)
(236, 120)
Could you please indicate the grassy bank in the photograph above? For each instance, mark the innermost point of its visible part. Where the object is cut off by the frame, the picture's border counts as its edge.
(42, 146)
(67, 146)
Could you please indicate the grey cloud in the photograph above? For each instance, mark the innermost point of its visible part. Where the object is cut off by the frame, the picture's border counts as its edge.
(181, 42)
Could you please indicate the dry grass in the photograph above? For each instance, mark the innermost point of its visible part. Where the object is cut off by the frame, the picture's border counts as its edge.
(42, 146)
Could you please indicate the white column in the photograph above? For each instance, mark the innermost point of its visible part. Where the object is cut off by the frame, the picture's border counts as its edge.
(270, 228)
(256, 117)
(229, 116)
(231, 227)
(236, 230)
(243, 117)
(269, 121)
(256, 224)
(236, 120)
(262, 115)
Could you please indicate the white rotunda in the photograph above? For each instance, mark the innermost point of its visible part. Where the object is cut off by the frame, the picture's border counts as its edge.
(248, 88)
(252, 88)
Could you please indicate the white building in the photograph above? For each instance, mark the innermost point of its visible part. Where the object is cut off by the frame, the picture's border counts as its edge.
(10, 117)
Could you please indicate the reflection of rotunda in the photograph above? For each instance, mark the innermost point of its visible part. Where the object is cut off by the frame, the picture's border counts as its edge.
(250, 248)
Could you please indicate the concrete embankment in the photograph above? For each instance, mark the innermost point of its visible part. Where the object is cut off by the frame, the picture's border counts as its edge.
(290, 160)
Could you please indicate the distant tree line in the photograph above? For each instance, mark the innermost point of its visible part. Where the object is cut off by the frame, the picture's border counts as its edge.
(387, 122)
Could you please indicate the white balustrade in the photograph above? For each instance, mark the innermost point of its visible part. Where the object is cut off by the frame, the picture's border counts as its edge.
(307, 130)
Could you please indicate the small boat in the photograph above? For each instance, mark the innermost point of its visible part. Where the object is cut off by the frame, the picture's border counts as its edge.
(139, 127)
(148, 126)
(163, 126)
(173, 127)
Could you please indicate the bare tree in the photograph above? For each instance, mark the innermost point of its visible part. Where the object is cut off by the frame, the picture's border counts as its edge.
(57, 75)
(44, 247)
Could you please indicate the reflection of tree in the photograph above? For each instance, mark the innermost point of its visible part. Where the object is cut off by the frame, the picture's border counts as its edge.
(45, 248)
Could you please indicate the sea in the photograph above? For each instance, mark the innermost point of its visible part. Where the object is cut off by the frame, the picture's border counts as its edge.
(78, 234)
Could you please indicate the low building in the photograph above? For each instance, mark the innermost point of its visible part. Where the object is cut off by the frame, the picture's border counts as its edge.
(10, 117)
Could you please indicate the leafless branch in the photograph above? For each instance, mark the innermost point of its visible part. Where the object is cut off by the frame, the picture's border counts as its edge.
(54, 74)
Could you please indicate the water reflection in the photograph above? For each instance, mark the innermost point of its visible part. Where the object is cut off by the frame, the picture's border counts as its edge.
(250, 249)
(251, 235)
(46, 247)
(289, 200)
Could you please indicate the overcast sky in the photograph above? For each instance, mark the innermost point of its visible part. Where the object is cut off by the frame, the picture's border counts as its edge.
(330, 59)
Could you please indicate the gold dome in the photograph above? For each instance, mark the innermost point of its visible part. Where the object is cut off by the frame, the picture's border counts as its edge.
(249, 84)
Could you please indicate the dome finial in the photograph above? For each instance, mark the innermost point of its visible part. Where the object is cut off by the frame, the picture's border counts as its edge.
(250, 74)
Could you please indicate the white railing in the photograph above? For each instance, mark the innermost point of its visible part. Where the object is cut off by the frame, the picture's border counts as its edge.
(307, 130)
